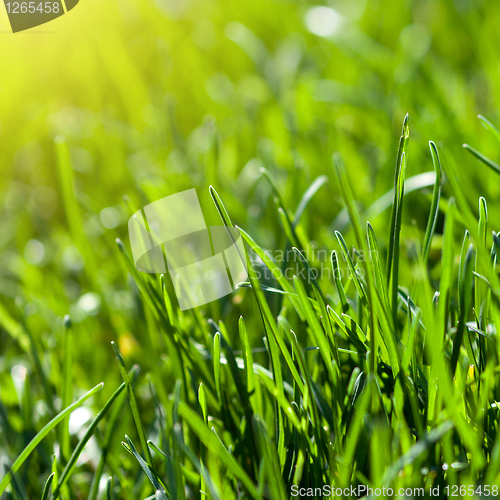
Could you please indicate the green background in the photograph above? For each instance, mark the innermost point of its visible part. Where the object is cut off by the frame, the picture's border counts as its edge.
(148, 98)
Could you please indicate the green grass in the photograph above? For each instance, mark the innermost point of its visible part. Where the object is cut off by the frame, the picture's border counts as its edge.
(380, 371)
(398, 391)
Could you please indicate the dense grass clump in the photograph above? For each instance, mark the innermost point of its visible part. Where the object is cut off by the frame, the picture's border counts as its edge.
(353, 377)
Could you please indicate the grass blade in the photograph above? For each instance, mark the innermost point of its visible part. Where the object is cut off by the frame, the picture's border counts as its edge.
(36, 440)
(81, 445)
(398, 187)
(489, 126)
(465, 301)
(307, 196)
(436, 195)
(151, 475)
(489, 163)
(46, 488)
(133, 404)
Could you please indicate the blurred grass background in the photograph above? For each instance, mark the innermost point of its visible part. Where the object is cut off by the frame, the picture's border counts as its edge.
(148, 98)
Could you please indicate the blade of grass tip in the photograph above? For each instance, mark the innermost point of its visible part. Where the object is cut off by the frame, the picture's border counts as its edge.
(494, 249)
(67, 383)
(55, 467)
(131, 206)
(225, 219)
(480, 288)
(220, 207)
(270, 289)
(483, 220)
(397, 237)
(109, 487)
(202, 399)
(307, 197)
(489, 163)
(436, 195)
(46, 488)
(159, 495)
(36, 440)
(151, 475)
(247, 355)
(489, 126)
(83, 442)
(403, 142)
(310, 276)
(133, 405)
(496, 244)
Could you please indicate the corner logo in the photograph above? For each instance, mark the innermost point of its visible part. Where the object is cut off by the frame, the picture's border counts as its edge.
(204, 264)
(25, 14)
